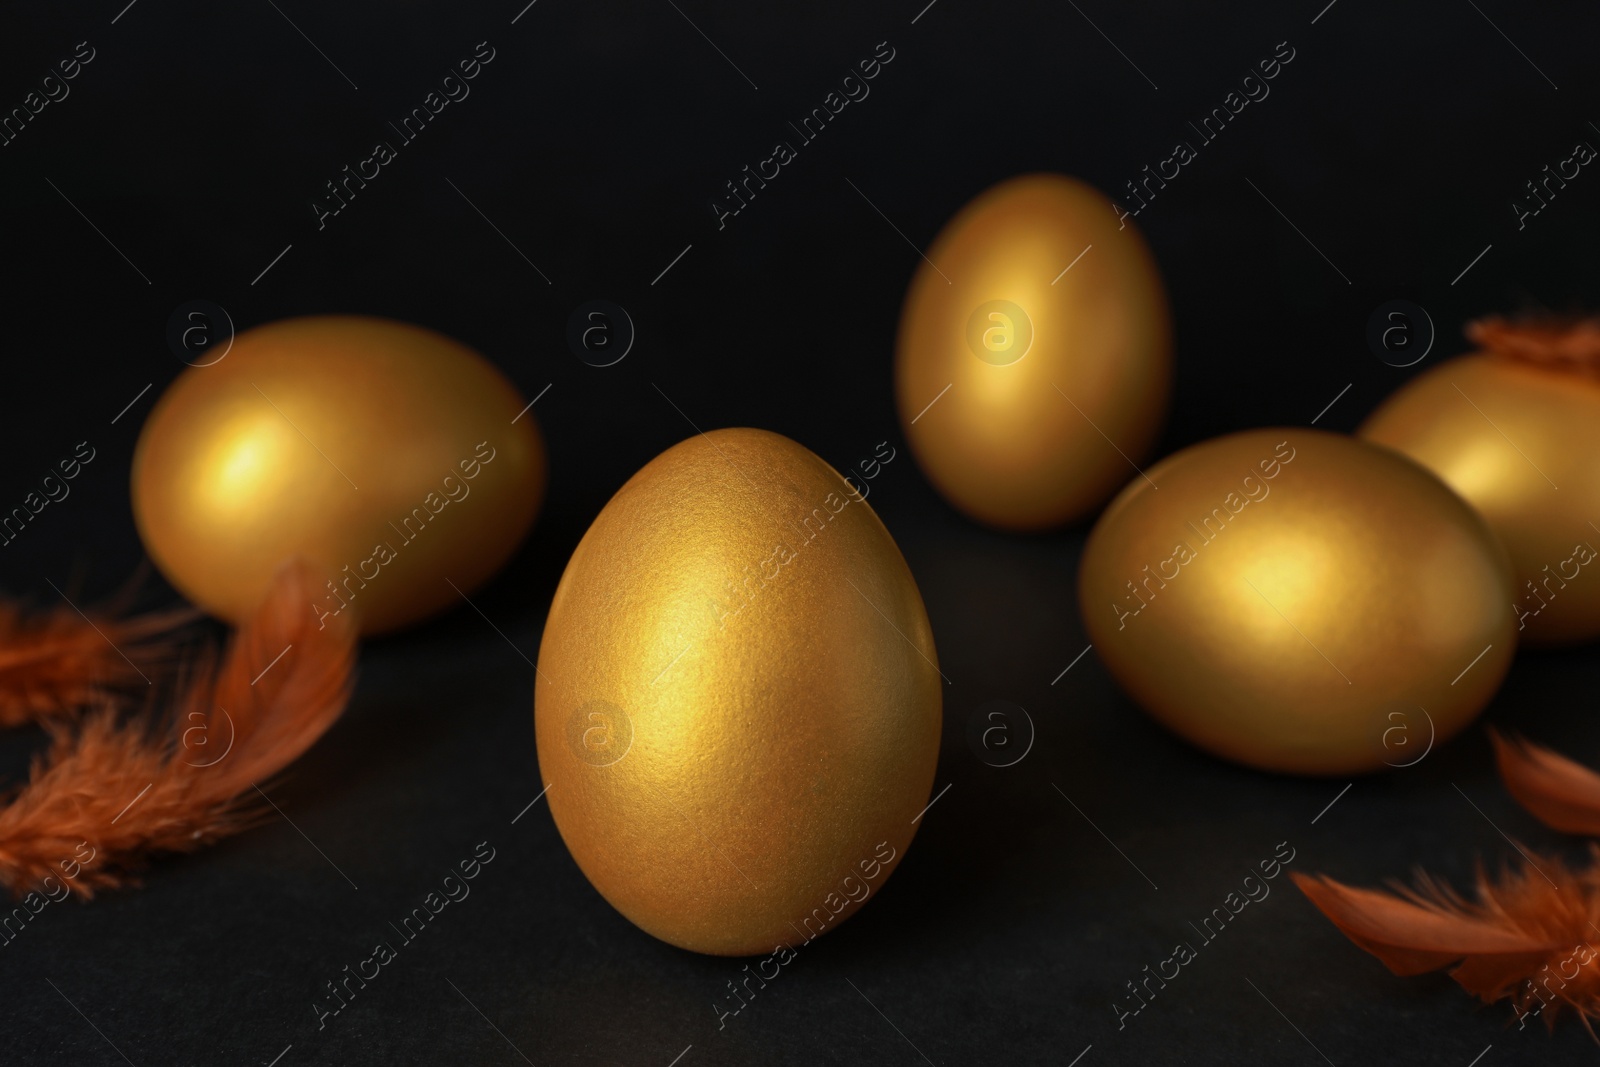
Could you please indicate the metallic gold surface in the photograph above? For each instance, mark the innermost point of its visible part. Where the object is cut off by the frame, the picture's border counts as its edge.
(350, 441)
(1312, 604)
(738, 707)
(1522, 444)
(1047, 320)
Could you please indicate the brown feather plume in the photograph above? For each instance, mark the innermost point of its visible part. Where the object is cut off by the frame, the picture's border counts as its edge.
(1531, 935)
(126, 790)
(1559, 792)
(1571, 344)
(57, 662)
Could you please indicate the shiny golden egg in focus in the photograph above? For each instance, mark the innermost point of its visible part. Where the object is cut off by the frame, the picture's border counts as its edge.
(738, 703)
(1033, 363)
(1521, 442)
(1299, 601)
(387, 454)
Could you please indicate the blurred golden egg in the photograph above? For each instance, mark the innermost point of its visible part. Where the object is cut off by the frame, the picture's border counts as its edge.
(1299, 601)
(1034, 359)
(738, 704)
(1521, 443)
(387, 454)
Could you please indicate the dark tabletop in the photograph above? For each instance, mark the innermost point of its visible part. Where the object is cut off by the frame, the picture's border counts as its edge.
(183, 163)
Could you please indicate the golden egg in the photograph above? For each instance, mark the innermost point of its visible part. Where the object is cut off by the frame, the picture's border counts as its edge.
(738, 703)
(387, 454)
(1520, 442)
(1299, 601)
(1034, 358)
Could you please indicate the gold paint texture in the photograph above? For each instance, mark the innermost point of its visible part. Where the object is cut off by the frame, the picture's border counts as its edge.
(738, 699)
(336, 437)
(1288, 598)
(1034, 442)
(1520, 442)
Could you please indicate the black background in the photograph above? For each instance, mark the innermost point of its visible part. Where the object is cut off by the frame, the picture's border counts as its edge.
(195, 142)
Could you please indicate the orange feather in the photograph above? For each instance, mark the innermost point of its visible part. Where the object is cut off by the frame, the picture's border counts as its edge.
(1530, 936)
(58, 662)
(1561, 793)
(1571, 343)
(130, 790)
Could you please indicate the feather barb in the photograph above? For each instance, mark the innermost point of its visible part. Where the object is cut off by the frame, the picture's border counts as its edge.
(1532, 935)
(128, 790)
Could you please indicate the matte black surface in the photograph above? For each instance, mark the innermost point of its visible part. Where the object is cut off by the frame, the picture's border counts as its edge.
(595, 141)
